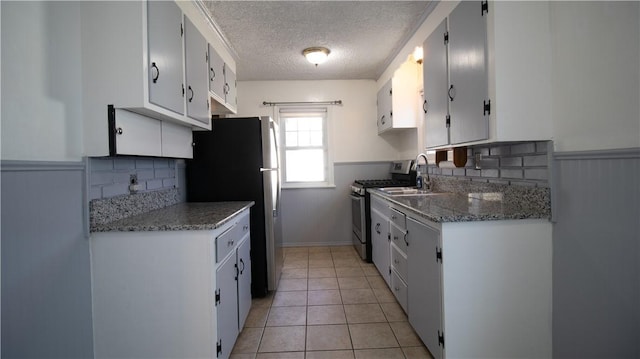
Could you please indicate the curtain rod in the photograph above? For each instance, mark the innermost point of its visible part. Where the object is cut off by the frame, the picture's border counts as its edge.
(336, 102)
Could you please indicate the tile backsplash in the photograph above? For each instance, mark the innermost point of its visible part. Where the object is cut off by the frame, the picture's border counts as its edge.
(109, 176)
(521, 163)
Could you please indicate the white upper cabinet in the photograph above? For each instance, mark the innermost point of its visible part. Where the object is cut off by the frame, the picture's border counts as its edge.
(165, 55)
(455, 78)
(196, 69)
(222, 84)
(498, 74)
(435, 80)
(397, 99)
(147, 57)
(216, 76)
(467, 74)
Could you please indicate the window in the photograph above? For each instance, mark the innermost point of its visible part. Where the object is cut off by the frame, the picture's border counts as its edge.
(306, 160)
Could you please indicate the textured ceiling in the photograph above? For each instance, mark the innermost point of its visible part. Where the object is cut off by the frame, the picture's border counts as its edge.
(269, 36)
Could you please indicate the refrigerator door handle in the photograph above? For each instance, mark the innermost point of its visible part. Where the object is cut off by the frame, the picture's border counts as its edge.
(268, 169)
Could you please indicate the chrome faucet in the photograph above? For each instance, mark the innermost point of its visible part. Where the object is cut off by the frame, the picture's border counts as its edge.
(427, 184)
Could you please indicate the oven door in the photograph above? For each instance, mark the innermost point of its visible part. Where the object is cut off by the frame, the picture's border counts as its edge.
(358, 220)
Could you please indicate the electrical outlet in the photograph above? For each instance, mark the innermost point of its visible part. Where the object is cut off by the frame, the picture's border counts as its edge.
(477, 159)
(133, 184)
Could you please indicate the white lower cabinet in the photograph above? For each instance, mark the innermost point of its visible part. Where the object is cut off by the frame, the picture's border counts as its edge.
(471, 289)
(425, 297)
(168, 294)
(380, 254)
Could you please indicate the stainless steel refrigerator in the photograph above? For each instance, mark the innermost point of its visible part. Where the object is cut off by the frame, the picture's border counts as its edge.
(238, 160)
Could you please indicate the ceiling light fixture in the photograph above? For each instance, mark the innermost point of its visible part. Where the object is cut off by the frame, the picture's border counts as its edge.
(316, 55)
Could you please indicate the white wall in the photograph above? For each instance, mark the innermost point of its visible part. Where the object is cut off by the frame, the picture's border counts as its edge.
(41, 84)
(596, 75)
(353, 132)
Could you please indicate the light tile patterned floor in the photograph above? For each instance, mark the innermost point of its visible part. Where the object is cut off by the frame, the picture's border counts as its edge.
(329, 304)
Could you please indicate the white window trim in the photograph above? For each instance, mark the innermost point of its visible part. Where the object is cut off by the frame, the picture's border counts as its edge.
(329, 182)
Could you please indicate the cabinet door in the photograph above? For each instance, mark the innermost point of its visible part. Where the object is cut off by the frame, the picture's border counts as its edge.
(177, 140)
(227, 307)
(196, 69)
(216, 74)
(136, 134)
(165, 55)
(380, 252)
(468, 73)
(230, 85)
(244, 280)
(435, 82)
(424, 280)
(385, 112)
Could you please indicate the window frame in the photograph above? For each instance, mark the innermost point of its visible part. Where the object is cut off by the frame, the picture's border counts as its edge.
(307, 111)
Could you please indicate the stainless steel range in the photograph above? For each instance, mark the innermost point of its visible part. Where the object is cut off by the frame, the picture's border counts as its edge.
(402, 175)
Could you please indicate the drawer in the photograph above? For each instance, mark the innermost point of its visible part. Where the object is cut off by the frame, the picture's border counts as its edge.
(398, 237)
(399, 289)
(380, 205)
(243, 225)
(398, 218)
(226, 241)
(399, 262)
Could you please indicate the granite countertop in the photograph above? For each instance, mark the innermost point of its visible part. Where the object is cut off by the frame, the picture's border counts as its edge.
(178, 217)
(466, 207)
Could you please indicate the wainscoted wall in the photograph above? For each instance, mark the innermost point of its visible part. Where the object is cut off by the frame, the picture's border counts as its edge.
(46, 279)
(521, 163)
(322, 216)
(596, 255)
(109, 176)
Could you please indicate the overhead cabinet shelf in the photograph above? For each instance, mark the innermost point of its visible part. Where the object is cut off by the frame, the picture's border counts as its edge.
(486, 75)
(149, 58)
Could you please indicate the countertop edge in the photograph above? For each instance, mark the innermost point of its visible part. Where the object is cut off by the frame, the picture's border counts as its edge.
(460, 217)
(123, 228)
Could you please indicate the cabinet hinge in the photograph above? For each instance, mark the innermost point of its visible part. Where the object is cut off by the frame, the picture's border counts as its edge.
(218, 347)
(389, 237)
(438, 254)
(389, 270)
(237, 272)
(447, 121)
(181, 30)
(441, 339)
(487, 107)
(484, 7)
(446, 37)
(182, 90)
(217, 300)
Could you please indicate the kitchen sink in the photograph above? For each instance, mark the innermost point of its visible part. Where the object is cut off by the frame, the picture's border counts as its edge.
(408, 191)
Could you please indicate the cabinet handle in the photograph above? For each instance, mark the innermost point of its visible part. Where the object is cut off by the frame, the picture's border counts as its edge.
(395, 238)
(155, 78)
(452, 92)
(119, 130)
(212, 73)
(378, 228)
(242, 262)
(382, 120)
(425, 106)
(226, 89)
(191, 98)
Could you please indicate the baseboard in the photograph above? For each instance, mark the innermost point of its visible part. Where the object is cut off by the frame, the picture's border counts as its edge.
(318, 244)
